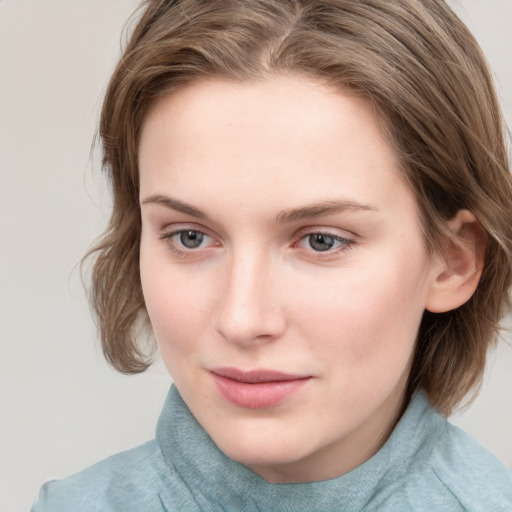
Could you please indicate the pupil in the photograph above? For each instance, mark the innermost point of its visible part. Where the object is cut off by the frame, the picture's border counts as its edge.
(321, 242)
(191, 239)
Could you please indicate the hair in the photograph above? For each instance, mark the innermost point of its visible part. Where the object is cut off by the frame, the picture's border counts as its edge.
(426, 77)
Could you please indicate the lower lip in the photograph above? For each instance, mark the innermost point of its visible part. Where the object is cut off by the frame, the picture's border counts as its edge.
(261, 395)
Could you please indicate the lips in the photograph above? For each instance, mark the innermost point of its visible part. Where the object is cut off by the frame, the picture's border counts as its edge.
(256, 389)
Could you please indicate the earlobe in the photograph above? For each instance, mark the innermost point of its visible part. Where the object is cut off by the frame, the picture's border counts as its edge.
(457, 272)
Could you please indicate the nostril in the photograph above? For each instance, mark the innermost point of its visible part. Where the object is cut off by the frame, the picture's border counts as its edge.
(246, 327)
(248, 309)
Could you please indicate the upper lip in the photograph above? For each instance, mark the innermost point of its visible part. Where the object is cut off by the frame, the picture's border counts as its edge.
(256, 376)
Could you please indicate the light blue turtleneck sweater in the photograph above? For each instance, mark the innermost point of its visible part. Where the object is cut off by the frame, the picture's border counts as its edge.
(427, 464)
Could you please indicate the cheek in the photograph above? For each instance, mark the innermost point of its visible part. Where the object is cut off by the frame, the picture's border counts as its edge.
(366, 320)
(177, 305)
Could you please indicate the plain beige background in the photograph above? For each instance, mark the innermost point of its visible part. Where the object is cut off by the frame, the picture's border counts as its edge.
(61, 407)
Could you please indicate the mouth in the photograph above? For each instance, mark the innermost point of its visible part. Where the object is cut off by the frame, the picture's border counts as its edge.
(256, 389)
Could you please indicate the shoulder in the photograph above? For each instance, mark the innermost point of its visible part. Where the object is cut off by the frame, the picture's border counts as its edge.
(128, 481)
(457, 475)
(478, 480)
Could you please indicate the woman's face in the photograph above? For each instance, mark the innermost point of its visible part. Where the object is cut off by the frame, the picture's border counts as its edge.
(283, 269)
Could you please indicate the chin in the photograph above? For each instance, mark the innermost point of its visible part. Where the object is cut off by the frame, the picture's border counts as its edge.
(261, 445)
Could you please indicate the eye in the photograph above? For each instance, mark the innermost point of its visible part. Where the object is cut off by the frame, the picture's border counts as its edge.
(191, 238)
(320, 242)
(324, 242)
(182, 241)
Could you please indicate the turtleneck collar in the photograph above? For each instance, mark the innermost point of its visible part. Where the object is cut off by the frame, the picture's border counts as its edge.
(219, 483)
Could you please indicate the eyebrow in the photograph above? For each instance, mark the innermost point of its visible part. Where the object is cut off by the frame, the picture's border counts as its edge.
(321, 209)
(175, 204)
(290, 215)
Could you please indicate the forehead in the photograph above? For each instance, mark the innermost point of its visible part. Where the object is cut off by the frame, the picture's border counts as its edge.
(292, 137)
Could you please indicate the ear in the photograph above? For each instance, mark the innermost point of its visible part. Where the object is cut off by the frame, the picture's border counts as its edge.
(457, 272)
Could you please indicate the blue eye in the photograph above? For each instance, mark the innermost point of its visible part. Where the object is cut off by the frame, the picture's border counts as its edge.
(321, 242)
(183, 240)
(324, 242)
(190, 238)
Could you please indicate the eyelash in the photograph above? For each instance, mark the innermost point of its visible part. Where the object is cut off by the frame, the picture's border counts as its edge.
(345, 243)
(173, 246)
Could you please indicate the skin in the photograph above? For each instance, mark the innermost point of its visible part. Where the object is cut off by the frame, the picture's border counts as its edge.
(256, 294)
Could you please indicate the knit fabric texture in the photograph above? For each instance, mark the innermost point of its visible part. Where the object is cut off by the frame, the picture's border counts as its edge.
(426, 465)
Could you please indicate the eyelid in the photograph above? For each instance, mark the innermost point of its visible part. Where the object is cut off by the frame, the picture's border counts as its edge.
(170, 231)
(347, 240)
(177, 227)
(331, 231)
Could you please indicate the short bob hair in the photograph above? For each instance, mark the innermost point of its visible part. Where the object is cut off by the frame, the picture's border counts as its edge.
(430, 86)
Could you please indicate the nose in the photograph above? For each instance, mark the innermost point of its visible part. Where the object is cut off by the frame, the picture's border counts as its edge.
(249, 310)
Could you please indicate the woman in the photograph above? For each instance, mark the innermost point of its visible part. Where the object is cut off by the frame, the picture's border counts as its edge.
(312, 212)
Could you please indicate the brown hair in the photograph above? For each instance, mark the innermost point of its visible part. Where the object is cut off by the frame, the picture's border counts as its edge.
(428, 80)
